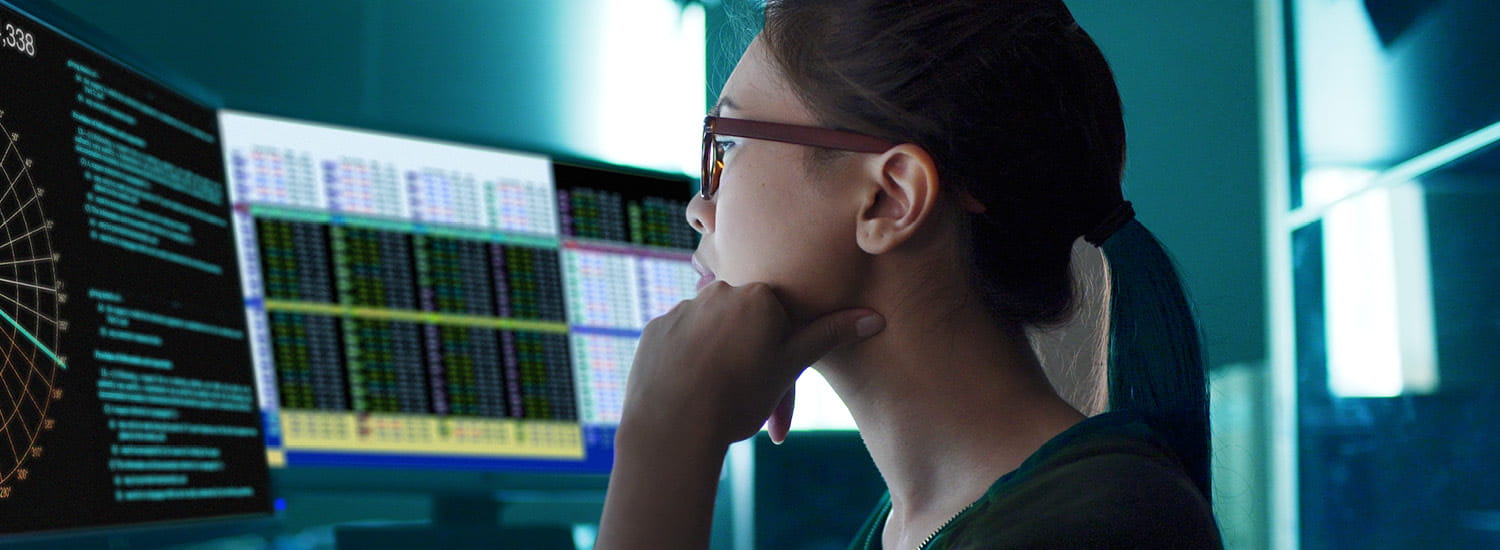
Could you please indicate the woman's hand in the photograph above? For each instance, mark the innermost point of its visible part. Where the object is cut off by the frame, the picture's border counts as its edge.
(706, 374)
(718, 365)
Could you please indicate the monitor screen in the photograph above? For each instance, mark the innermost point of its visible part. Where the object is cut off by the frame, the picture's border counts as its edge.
(126, 389)
(415, 303)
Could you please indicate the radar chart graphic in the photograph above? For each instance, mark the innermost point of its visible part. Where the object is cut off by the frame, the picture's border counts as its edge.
(30, 326)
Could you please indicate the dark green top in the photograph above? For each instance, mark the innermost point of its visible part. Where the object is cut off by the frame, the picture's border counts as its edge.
(1106, 482)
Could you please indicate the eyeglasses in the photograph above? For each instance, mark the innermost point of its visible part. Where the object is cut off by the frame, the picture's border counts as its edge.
(713, 151)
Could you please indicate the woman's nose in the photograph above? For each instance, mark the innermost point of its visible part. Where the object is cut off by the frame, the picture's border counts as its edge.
(700, 214)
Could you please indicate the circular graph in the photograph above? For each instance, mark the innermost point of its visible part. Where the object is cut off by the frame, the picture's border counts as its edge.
(30, 326)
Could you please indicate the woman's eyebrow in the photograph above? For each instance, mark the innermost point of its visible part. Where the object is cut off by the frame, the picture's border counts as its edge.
(724, 101)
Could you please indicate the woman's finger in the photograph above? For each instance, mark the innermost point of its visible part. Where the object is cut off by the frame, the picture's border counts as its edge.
(831, 332)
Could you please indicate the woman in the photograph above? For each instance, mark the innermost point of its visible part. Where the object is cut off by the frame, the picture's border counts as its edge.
(891, 192)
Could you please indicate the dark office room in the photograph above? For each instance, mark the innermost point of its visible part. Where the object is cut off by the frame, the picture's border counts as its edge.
(749, 274)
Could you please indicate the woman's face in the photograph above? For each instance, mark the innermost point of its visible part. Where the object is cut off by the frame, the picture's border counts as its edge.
(773, 220)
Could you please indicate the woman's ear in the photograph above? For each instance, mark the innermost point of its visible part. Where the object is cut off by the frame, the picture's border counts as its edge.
(903, 192)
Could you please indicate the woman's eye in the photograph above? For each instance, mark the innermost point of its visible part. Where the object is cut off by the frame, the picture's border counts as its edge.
(725, 145)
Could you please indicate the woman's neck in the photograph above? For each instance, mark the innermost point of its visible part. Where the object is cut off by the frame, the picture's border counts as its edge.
(947, 401)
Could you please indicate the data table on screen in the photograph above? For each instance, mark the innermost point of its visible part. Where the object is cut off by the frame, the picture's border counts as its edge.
(521, 206)
(593, 214)
(531, 282)
(444, 304)
(278, 176)
(602, 365)
(444, 196)
(471, 359)
(602, 291)
(295, 261)
(664, 282)
(308, 354)
(374, 268)
(454, 275)
(419, 312)
(365, 186)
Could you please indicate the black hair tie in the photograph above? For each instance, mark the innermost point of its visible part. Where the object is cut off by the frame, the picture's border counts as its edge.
(1116, 219)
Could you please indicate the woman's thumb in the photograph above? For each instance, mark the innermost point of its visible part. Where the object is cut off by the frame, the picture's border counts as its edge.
(832, 331)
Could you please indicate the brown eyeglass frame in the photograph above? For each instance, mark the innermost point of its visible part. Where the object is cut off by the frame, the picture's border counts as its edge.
(796, 134)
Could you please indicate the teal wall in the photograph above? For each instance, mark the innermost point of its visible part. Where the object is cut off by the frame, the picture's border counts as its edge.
(470, 70)
(1187, 75)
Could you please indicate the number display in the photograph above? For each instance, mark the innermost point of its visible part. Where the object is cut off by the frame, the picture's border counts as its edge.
(19, 40)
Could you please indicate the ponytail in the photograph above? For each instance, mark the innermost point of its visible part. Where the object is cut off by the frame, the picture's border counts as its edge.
(1155, 360)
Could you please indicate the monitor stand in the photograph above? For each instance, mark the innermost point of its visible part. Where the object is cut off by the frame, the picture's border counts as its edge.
(459, 522)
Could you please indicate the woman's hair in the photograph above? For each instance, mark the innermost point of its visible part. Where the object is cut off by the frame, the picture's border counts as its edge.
(1019, 109)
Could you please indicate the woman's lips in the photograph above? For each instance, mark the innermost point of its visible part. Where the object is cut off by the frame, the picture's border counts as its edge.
(705, 277)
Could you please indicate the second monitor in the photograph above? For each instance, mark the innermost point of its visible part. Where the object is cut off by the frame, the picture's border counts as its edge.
(417, 303)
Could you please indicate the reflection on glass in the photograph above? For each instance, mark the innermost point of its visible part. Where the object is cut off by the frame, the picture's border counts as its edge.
(1388, 283)
(1379, 295)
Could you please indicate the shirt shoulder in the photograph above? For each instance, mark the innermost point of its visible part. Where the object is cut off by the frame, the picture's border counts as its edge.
(1115, 488)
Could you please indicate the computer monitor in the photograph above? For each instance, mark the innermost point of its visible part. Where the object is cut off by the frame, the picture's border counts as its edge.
(438, 307)
(126, 389)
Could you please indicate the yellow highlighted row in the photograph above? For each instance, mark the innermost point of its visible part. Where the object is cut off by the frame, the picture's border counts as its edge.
(428, 317)
(344, 431)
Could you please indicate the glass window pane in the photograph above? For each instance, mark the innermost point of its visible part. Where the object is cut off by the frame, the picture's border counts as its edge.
(1412, 269)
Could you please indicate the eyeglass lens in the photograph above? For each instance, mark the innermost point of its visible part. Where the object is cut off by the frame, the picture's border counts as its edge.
(713, 165)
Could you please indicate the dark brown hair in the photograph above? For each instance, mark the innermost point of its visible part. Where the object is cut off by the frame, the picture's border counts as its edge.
(1012, 99)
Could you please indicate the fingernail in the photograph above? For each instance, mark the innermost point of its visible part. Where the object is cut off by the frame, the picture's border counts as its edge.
(868, 326)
